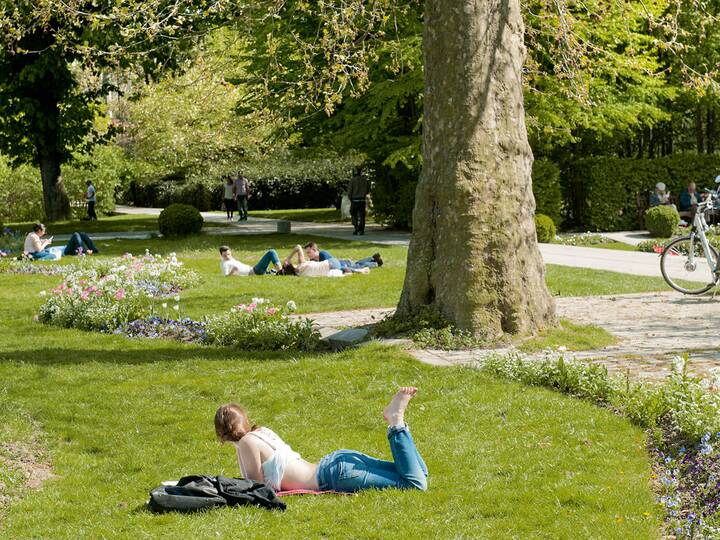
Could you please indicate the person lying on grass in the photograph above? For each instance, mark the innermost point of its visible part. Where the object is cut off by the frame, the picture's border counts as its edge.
(308, 268)
(36, 247)
(232, 267)
(264, 457)
(313, 253)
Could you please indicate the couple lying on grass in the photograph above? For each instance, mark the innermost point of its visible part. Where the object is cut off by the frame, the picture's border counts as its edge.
(264, 457)
(311, 262)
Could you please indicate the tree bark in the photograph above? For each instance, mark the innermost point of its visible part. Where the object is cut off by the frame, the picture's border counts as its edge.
(473, 252)
(55, 199)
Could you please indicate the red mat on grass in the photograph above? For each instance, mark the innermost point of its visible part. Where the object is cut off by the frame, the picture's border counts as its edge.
(307, 492)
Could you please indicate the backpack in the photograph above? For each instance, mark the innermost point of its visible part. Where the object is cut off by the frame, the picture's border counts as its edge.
(198, 492)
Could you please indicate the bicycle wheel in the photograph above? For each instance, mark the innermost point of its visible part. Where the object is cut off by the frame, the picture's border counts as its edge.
(684, 275)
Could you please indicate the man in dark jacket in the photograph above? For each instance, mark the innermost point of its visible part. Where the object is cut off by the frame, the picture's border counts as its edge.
(357, 192)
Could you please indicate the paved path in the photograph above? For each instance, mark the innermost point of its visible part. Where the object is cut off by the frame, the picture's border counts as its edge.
(629, 262)
(651, 329)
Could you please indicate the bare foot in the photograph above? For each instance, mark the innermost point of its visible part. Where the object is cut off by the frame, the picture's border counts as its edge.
(394, 413)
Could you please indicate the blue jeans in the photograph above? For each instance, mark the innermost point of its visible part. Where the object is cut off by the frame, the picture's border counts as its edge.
(367, 262)
(349, 470)
(334, 263)
(260, 268)
(79, 240)
(43, 255)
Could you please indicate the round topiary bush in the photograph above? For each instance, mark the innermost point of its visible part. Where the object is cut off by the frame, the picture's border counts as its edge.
(545, 228)
(180, 220)
(661, 221)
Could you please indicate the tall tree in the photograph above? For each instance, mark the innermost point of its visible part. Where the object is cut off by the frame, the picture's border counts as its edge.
(473, 252)
(55, 60)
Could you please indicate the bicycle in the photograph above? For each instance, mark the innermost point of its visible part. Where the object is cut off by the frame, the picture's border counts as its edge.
(689, 264)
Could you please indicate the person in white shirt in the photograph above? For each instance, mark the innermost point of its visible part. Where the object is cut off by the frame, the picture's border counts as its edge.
(232, 267)
(35, 246)
(307, 268)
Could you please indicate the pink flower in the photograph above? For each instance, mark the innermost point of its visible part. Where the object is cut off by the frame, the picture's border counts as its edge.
(252, 306)
(84, 296)
(271, 311)
(120, 294)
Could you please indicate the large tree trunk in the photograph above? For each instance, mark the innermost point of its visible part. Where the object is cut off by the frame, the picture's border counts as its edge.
(55, 199)
(473, 252)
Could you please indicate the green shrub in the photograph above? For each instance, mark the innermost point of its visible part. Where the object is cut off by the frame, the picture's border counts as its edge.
(546, 189)
(180, 220)
(21, 196)
(661, 221)
(545, 228)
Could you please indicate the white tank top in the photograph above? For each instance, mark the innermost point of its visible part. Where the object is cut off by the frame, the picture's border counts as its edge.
(274, 468)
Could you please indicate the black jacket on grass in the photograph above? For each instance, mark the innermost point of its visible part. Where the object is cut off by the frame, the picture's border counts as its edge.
(199, 492)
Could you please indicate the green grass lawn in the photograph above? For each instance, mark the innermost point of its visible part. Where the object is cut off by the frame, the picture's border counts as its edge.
(117, 223)
(316, 215)
(381, 288)
(116, 417)
(576, 337)
(119, 416)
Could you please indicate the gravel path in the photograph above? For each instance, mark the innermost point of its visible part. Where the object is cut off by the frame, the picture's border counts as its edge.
(651, 328)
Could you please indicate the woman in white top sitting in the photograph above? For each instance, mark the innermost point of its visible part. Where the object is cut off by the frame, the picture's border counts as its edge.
(232, 267)
(36, 246)
(264, 457)
(308, 268)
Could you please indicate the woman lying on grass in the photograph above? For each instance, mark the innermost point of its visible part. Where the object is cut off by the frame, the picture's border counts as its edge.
(308, 268)
(264, 457)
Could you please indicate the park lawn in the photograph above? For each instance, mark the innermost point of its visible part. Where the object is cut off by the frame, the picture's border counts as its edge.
(116, 223)
(315, 215)
(119, 416)
(380, 289)
(575, 337)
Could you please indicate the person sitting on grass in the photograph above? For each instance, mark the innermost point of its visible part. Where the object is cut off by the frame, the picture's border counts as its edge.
(233, 267)
(264, 457)
(36, 247)
(308, 268)
(313, 253)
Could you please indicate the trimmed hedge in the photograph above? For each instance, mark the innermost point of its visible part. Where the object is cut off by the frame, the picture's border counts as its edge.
(180, 220)
(546, 189)
(545, 228)
(603, 192)
(661, 221)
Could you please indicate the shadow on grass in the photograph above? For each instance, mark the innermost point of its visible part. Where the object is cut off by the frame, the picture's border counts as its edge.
(54, 356)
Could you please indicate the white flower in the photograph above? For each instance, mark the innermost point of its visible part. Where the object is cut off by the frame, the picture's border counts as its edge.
(260, 300)
(562, 348)
(292, 306)
(177, 297)
(176, 307)
(43, 293)
(164, 305)
(678, 364)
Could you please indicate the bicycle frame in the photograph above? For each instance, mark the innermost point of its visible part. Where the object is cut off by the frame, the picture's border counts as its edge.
(700, 225)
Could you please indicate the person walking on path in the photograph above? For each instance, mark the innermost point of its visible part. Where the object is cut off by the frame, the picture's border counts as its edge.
(264, 457)
(91, 198)
(357, 192)
(242, 194)
(229, 196)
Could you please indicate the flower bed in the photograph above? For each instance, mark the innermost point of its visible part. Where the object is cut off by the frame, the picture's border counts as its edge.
(104, 294)
(261, 325)
(681, 416)
(185, 330)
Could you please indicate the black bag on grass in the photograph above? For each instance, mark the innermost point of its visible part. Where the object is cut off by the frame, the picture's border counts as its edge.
(193, 493)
